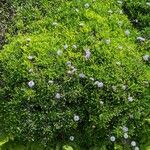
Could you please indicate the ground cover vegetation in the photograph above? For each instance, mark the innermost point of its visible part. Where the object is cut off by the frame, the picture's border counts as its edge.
(75, 75)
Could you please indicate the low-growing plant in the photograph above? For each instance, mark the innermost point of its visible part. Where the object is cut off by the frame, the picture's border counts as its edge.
(72, 76)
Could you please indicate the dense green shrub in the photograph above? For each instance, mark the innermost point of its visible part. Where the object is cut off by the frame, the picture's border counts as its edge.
(138, 12)
(71, 74)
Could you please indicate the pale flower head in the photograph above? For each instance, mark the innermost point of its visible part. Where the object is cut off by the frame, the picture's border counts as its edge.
(133, 143)
(107, 41)
(130, 99)
(141, 39)
(65, 46)
(57, 96)
(74, 46)
(125, 129)
(31, 84)
(81, 75)
(125, 135)
(30, 57)
(50, 81)
(112, 138)
(146, 57)
(59, 52)
(127, 32)
(54, 24)
(76, 118)
(87, 54)
(87, 5)
(136, 148)
(71, 138)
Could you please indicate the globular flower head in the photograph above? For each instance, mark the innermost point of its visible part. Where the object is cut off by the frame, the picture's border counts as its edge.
(71, 138)
(136, 148)
(112, 138)
(81, 75)
(59, 52)
(125, 129)
(50, 81)
(107, 41)
(74, 46)
(65, 46)
(87, 54)
(130, 99)
(141, 39)
(57, 96)
(54, 24)
(31, 84)
(146, 57)
(87, 5)
(76, 118)
(127, 32)
(125, 135)
(30, 57)
(133, 143)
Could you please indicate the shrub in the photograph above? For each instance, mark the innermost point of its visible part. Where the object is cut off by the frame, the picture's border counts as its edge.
(72, 75)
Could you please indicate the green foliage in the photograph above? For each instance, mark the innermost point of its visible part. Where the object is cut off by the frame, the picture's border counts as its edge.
(38, 113)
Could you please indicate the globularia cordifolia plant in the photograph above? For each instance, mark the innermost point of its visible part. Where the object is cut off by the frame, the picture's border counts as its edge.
(72, 74)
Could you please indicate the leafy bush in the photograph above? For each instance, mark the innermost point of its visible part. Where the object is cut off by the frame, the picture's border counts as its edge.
(138, 12)
(72, 75)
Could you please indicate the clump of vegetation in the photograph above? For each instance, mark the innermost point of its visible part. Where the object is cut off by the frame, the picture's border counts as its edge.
(6, 14)
(72, 75)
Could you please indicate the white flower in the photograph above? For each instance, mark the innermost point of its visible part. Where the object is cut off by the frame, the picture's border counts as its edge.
(88, 54)
(121, 12)
(68, 63)
(125, 129)
(71, 138)
(54, 24)
(141, 39)
(130, 99)
(77, 10)
(76, 118)
(124, 87)
(31, 84)
(99, 84)
(127, 32)
(74, 46)
(148, 3)
(136, 148)
(30, 70)
(112, 138)
(107, 41)
(110, 11)
(50, 81)
(91, 78)
(118, 63)
(119, 2)
(65, 46)
(101, 102)
(114, 88)
(120, 47)
(28, 39)
(30, 57)
(87, 5)
(125, 135)
(133, 143)
(59, 52)
(81, 24)
(146, 57)
(81, 75)
(57, 96)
